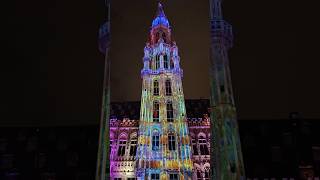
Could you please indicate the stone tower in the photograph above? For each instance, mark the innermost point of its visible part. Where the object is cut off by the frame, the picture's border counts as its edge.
(226, 155)
(164, 150)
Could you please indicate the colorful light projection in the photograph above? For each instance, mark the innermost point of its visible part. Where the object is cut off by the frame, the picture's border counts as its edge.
(164, 150)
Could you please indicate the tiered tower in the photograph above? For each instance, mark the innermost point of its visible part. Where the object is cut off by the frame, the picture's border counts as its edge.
(164, 150)
(226, 156)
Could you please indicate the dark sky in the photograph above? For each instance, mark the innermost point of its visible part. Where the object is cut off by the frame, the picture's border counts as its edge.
(56, 71)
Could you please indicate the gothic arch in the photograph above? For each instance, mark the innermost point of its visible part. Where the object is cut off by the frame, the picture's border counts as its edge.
(202, 134)
(123, 136)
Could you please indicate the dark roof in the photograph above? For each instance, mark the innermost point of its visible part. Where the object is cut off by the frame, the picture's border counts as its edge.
(195, 109)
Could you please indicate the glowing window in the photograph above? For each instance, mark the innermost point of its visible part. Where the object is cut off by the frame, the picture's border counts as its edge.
(122, 148)
(173, 176)
(169, 112)
(156, 111)
(155, 177)
(155, 88)
(157, 62)
(172, 142)
(155, 141)
(168, 87)
(203, 146)
(165, 62)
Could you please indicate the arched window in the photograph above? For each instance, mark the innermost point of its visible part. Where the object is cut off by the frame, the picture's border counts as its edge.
(156, 111)
(206, 171)
(168, 87)
(172, 142)
(155, 141)
(155, 88)
(169, 112)
(122, 147)
(157, 62)
(165, 62)
(171, 63)
(199, 177)
(133, 146)
(194, 147)
(203, 146)
(206, 174)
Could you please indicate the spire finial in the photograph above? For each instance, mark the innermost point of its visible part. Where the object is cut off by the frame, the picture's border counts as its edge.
(160, 10)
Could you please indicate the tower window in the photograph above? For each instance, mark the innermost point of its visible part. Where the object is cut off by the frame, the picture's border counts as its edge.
(157, 62)
(203, 146)
(155, 142)
(172, 142)
(155, 177)
(122, 148)
(222, 88)
(173, 176)
(133, 147)
(156, 88)
(165, 62)
(168, 87)
(169, 112)
(171, 64)
(156, 111)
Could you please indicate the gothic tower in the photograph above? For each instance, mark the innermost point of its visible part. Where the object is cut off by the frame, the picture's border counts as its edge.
(103, 161)
(226, 152)
(164, 150)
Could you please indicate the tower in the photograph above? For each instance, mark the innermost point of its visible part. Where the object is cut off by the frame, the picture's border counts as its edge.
(226, 152)
(103, 165)
(164, 150)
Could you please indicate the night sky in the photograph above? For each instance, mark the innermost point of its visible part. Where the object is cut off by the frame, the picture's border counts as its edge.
(56, 71)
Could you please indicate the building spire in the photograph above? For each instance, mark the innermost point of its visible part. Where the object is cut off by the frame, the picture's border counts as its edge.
(160, 18)
(160, 10)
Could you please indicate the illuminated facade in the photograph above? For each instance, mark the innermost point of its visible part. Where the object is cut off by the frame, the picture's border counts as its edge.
(162, 143)
(164, 150)
(124, 136)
